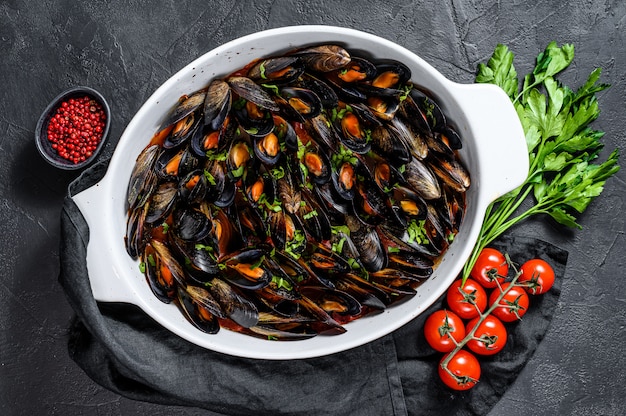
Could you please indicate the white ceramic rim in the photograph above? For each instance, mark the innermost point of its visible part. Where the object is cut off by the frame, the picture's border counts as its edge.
(483, 115)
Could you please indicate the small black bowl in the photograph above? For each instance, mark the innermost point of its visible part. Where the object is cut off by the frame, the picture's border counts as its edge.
(41, 132)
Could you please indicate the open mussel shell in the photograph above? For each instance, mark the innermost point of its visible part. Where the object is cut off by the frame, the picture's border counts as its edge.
(325, 92)
(248, 269)
(317, 164)
(193, 187)
(183, 130)
(200, 308)
(428, 108)
(390, 74)
(162, 270)
(233, 304)
(278, 70)
(304, 101)
(186, 105)
(267, 148)
(357, 70)
(353, 133)
(344, 181)
(332, 301)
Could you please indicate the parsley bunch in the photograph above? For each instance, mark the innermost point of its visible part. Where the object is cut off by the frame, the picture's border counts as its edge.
(564, 175)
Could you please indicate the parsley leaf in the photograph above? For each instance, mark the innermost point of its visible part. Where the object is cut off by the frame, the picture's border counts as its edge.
(564, 176)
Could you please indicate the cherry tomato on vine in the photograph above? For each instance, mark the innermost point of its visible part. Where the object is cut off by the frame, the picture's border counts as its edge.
(468, 300)
(538, 275)
(490, 336)
(490, 265)
(442, 328)
(465, 370)
(513, 305)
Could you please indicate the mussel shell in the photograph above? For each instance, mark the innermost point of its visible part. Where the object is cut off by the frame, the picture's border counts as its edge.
(251, 91)
(143, 179)
(254, 126)
(357, 70)
(247, 269)
(317, 164)
(228, 193)
(387, 142)
(344, 181)
(193, 187)
(356, 285)
(325, 260)
(283, 332)
(313, 217)
(326, 94)
(332, 301)
(162, 202)
(429, 108)
(324, 323)
(185, 106)
(421, 180)
(162, 290)
(190, 224)
(319, 128)
(353, 134)
(450, 170)
(239, 156)
(198, 313)
(324, 58)
(276, 70)
(372, 253)
(163, 271)
(412, 262)
(304, 101)
(390, 74)
(267, 149)
(173, 164)
(414, 139)
(136, 231)
(234, 305)
(183, 130)
(217, 104)
(286, 133)
(369, 296)
(200, 259)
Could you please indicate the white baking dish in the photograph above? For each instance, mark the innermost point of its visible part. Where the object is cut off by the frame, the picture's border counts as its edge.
(494, 151)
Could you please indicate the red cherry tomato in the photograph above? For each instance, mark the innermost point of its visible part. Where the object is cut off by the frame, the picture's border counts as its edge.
(442, 328)
(513, 305)
(490, 265)
(468, 300)
(490, 336)
(538, 275)
(465, 370)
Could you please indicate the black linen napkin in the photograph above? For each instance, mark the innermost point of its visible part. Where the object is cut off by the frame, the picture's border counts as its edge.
(124, 350)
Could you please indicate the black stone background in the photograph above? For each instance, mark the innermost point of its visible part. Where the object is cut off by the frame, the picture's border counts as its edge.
(127, 50)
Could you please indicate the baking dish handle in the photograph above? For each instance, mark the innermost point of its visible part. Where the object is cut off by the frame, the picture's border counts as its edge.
(500, 138)
(107, 281)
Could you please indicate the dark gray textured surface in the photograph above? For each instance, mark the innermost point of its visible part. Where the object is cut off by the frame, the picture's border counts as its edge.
(127, 51)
